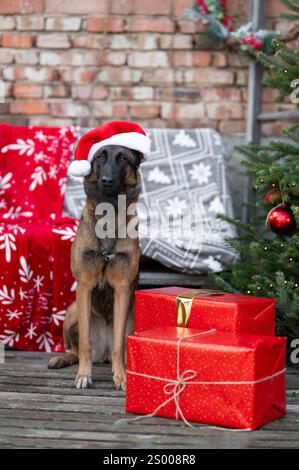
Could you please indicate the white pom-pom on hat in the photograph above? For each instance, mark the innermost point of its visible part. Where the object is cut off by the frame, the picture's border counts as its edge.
(79, 168)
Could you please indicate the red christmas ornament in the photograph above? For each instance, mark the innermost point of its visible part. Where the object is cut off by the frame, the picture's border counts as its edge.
(273, 196)
(281, 220)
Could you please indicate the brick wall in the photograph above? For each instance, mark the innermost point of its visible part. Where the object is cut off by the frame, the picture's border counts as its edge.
(87, 61)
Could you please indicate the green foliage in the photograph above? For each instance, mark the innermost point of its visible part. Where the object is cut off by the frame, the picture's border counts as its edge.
(292, 5)
(268, 264)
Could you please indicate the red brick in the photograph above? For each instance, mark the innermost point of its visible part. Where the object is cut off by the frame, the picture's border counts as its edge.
(23, 56)
(99, 92)
(77, 75)
(192, 59)
(77, 7)
(219, 59)
(176, 41)
(119, 41)
(159, 76)
(152, 7)
(232, 127)
(56, 91)
(144, 111)
(207, 76)
(220, 94)
(6, 56)
(152, 25)
(7, 22)
(22, 41)
(88, 41)
(225, 110)
(32, 74)
(53, 41)
(120, 110)
(104, 24)
(30, 22)
(27, 90)
(181, 5)
(102, 109)
(275, 8)
(116, 58)
(72, 23)
(21, 6)
(119, 74)
(29, 107)
(147, 42)
(148, 59)
(121, 7)
(182, 111)
(69, 109)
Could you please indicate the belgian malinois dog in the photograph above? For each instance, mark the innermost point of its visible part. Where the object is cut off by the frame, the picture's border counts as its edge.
(106, 270)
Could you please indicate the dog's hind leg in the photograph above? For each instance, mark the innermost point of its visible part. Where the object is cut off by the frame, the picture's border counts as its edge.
(70, 333)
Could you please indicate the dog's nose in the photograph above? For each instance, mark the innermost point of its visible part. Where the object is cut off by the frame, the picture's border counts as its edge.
(107, 181)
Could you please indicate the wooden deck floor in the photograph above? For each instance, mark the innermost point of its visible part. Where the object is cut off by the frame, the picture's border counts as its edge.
(40, 408)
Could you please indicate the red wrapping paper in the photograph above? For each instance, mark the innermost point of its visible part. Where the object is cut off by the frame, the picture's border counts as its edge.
(225, 312)
(214, 357)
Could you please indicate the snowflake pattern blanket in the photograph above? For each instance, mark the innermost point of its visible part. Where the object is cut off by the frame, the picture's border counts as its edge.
(186, 168)
(35, 279)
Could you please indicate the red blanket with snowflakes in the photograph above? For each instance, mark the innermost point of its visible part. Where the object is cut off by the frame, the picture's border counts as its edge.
(36, 285)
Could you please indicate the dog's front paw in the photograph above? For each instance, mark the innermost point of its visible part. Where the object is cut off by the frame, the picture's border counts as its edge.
(119, 379)
(83, 381)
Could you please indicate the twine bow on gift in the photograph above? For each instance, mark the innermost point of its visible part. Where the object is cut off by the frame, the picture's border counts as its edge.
(176, 388)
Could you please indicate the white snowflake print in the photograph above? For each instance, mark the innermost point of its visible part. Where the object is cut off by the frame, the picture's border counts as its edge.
(184, 140)
(41, 157)
(38, 177)
(158, 176)
(74, 286)
(176, 207)
(200, 173)
(62, 184)
(15, 212)
(25, 271)
(15, 229)
(45, 341)
(26, 147)
(58, 317)
(216, 206)
(7, 297)
(41, 137)
(38, 282)
(8, 243)
(11, 314)
(23, 294)
(67, 233)
(10, 338)
(213, 264)
(31, 331)
(52, 174)
(5, 182)
(3, 204)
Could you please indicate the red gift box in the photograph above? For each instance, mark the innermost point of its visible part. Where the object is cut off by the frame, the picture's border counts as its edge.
(225, 312)
(223, 379)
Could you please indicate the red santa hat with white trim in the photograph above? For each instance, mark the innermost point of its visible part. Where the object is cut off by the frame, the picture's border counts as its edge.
(127, 134)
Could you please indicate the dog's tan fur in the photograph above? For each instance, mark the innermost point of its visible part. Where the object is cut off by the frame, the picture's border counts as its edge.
(96, 324)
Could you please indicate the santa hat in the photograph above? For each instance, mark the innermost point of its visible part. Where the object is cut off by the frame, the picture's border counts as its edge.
(127, 134)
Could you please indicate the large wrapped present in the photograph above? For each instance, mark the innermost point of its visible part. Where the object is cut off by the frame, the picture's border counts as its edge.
(236, 381)
(203, 308)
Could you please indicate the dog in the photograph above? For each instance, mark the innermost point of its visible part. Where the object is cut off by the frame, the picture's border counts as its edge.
(106, 270)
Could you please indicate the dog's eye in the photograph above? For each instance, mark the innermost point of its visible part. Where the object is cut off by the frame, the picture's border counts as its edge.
(100, 157)
(123, 158)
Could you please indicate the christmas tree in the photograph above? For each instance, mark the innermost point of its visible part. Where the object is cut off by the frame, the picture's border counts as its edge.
(268, 246)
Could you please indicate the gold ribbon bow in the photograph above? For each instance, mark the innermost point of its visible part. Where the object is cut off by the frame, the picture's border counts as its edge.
(184, 303)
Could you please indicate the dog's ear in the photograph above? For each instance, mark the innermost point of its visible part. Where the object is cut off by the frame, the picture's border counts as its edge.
(138, 157)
